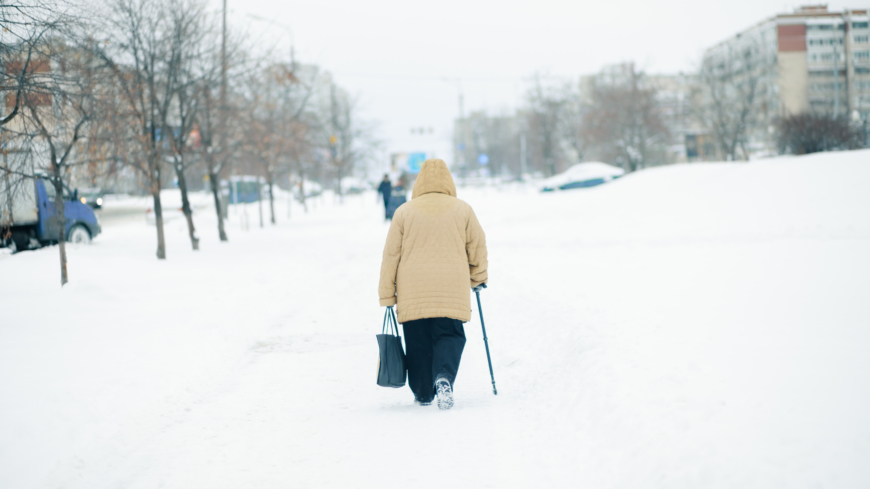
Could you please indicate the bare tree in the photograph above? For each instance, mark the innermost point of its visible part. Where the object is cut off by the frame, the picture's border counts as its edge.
(275, 126)
(624, 121)
(731, 82)
(189, 30)
(139, 50)
(303, 150)
(57, 106)
(571, 123)
(350, 139)
(220, 110)
(545, 101)
(213, 141)
(24, 25)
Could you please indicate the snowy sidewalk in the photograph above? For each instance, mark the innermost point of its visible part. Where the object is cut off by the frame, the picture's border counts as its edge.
(689, 326)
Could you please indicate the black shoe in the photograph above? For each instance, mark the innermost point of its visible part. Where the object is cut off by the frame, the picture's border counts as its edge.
(421, 403)
(444, 392)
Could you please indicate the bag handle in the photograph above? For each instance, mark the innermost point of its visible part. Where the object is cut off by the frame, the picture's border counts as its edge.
(395, 322)
(390, 322)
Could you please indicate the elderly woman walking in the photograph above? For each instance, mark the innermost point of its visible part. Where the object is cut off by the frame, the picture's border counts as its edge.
(435, 253)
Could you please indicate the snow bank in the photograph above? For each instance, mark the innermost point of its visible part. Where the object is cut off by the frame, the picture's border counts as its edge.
(697, 325)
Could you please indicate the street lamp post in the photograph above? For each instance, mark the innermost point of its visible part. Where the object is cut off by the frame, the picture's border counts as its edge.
(285, 27)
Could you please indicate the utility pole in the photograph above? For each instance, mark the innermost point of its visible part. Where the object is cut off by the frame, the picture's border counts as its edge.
(223, 75)
(836, 81)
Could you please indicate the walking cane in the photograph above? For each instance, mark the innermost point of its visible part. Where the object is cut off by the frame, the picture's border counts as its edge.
(485, 342)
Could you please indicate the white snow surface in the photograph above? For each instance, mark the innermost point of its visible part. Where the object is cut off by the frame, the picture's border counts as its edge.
(702, 325)
(581, 172)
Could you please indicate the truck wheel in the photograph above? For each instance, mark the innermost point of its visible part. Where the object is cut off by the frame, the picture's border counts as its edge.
(20, 241)
(79, 235)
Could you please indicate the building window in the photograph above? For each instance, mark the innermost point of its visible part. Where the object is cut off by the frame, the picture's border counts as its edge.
(820, 87)
(862, 39)
(826, 42)
(860, 25)
(862, 56)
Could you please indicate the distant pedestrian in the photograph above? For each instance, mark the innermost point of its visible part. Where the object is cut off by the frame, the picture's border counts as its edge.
(386, 189)
(435, 253)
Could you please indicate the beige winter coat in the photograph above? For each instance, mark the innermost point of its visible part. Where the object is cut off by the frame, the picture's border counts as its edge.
(435, 251)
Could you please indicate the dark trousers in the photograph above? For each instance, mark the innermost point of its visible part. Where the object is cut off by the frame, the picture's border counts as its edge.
(434, 348)
(386, 202)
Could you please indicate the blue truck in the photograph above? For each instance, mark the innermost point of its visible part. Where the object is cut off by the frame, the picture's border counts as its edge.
(28, 216)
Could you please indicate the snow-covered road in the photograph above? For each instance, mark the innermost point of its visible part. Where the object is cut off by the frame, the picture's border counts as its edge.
(688, 326)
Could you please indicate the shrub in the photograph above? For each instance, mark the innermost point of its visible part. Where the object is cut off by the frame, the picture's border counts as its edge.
(814, 132)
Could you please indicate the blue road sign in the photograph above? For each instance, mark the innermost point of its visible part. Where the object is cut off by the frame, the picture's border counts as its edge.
(483, 159)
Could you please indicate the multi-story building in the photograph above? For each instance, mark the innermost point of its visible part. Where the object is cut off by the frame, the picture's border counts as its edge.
(808, 60)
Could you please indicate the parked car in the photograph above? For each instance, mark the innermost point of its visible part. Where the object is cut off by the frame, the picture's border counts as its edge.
(33, 217)
(582, 175)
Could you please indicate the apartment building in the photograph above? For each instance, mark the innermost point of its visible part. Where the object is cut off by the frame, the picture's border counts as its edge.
(809, 60)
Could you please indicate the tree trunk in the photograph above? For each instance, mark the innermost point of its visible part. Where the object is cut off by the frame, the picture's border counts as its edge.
(302, 192)
(215, 191)
(185, 206)
(61, 223)
(340, 175)
(743, 151)
(260, 200)
(289, 194)
(154, 167)
(271, 184)
(548, 155)
(158, 220)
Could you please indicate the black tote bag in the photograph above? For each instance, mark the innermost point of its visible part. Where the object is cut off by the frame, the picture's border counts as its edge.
(392, 371)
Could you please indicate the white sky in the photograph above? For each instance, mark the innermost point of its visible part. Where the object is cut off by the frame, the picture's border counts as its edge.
(408, 60)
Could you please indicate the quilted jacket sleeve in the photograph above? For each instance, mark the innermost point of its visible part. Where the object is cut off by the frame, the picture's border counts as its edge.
(475, 247)
(390, 261)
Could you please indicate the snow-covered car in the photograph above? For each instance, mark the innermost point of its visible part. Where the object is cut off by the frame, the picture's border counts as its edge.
(582, 175)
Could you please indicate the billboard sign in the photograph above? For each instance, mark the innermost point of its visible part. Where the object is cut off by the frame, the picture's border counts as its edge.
(415, 162)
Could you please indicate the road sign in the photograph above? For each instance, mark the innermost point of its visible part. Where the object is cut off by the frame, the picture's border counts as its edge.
(483, 159)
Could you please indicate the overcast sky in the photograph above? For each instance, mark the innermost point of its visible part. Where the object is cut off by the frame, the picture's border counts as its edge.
(408, 60)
